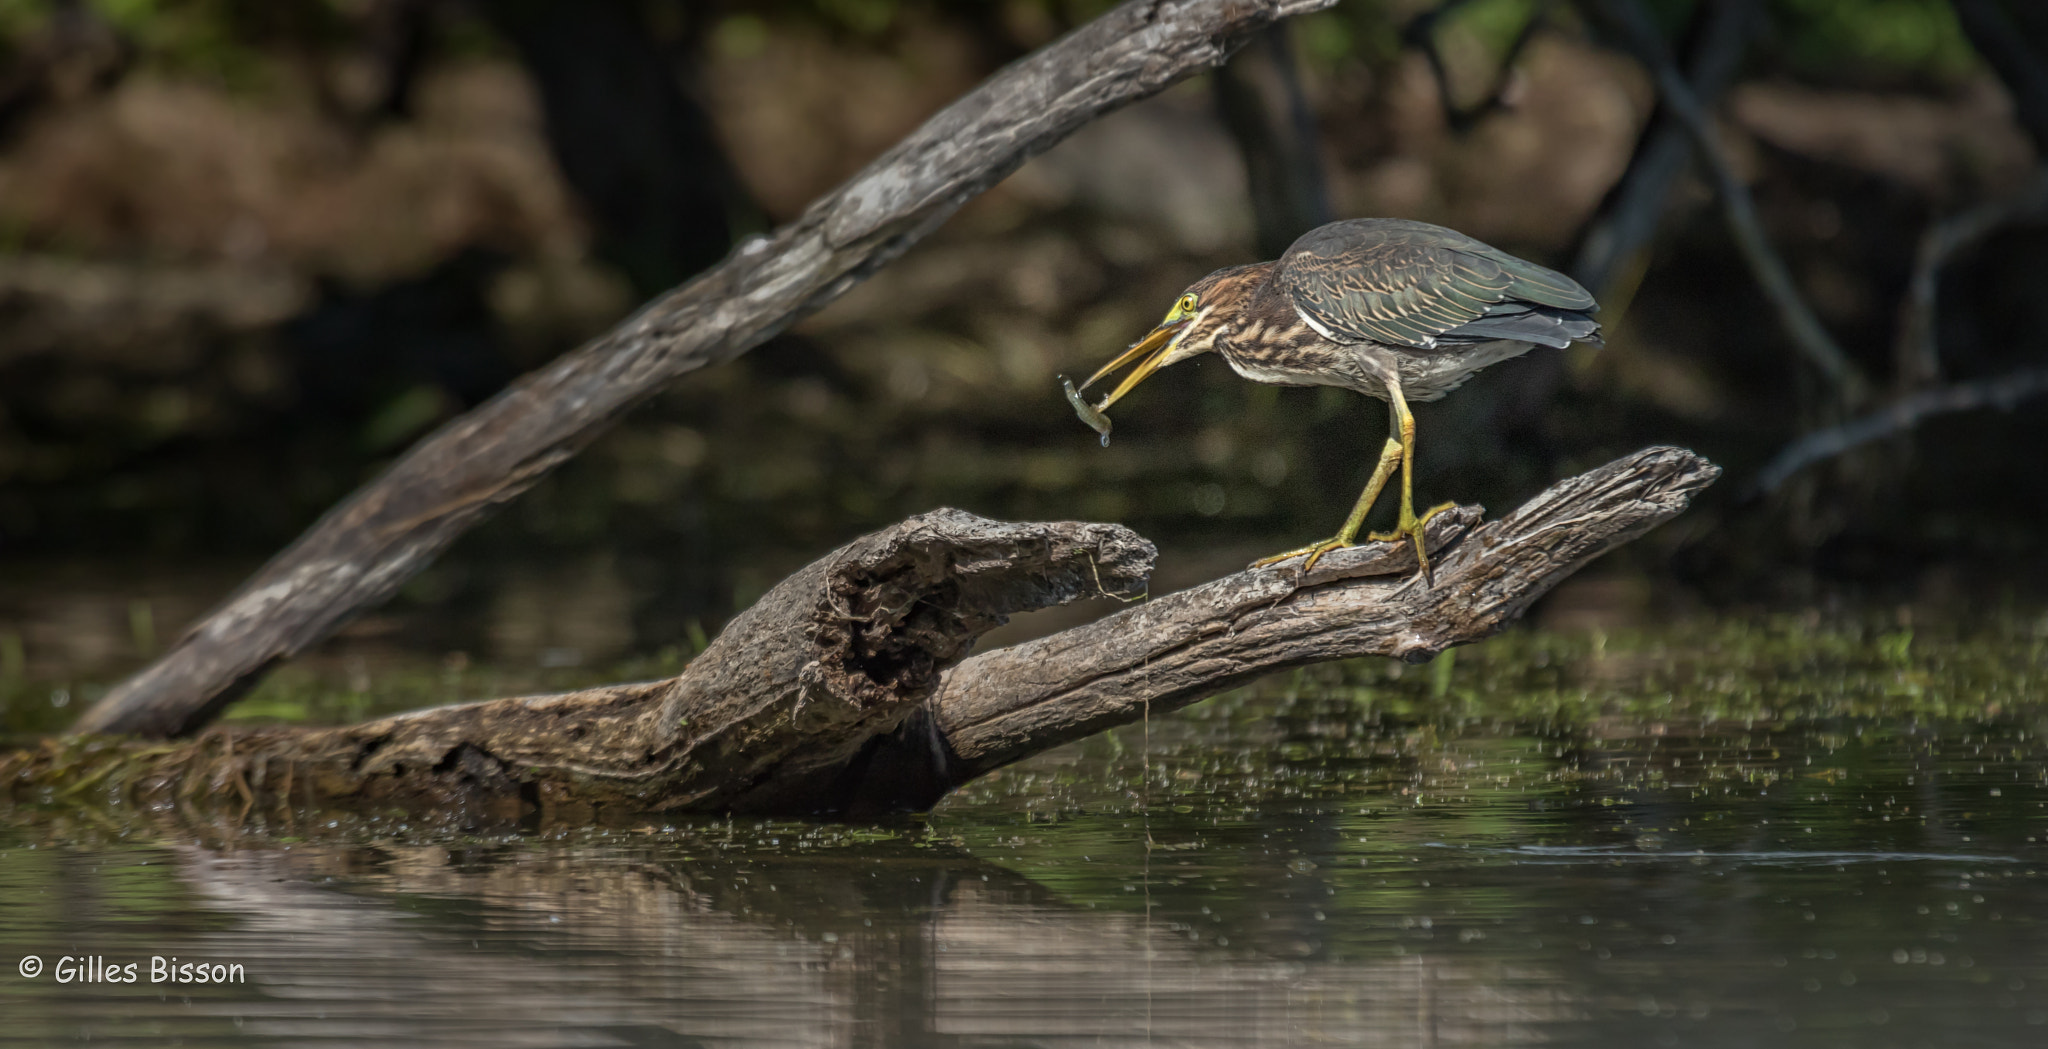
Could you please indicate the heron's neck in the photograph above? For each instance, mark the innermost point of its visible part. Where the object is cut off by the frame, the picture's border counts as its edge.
(1265, 328)
(1268, 301)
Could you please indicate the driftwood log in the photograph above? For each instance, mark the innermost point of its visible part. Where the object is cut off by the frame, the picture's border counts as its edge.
(844, 690)
(362, 550)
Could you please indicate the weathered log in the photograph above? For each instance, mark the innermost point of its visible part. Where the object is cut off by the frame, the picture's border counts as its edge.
(362, 550)
(835, 655)
(1157, 657)
(833, 693)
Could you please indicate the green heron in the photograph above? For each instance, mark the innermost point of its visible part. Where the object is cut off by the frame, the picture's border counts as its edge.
(1398, 310)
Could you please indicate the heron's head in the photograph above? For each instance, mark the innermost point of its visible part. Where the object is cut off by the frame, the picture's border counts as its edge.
(1202, 313)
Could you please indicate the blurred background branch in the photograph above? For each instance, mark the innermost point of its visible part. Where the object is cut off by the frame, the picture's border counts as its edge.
(1795, 316)
(2003, 392)
(1420, 33)
(1630, 212)
(639, 151)
(1918, 356)
(1259, 96)
(249, 253)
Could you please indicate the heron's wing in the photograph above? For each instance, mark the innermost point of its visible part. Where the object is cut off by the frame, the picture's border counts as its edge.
(1526, 322)
(1409, 283)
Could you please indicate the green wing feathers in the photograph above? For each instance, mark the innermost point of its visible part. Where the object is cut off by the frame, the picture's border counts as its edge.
(1540, 284)
(1408, 283)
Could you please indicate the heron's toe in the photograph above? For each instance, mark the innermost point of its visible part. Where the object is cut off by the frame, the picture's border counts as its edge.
(1315, 552)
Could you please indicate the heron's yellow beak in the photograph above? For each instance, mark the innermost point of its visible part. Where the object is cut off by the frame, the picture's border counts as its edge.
(1153, 348)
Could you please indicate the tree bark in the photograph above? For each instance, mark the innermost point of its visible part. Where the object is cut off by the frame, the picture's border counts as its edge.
(843, 691)
(1165, 654)
(362, 550)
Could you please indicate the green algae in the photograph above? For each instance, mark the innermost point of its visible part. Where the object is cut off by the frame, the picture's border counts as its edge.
(1541, 712)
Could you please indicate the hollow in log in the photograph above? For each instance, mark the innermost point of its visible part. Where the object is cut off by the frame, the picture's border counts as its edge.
(847, 690)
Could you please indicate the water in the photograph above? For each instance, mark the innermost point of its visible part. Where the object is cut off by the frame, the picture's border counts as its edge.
(1732, 837)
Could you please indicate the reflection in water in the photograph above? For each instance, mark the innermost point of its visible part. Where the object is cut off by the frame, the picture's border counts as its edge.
(1307, 866)
(599, 946)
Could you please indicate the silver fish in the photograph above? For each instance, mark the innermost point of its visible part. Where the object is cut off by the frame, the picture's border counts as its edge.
(1089, 413)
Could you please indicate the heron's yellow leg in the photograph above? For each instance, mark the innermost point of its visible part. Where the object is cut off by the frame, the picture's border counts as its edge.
(1408, 525)
(1390, 460)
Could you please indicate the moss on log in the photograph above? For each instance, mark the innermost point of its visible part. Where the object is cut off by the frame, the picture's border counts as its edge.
(847, 690)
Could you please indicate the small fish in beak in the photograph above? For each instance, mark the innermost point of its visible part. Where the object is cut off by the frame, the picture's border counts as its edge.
(1153, 348)
(1095, 419)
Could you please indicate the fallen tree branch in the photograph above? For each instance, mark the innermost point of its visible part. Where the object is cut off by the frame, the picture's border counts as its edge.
(1807, 333)
(832, 694)
(832, 657)
(364, 548)
(1004, 706)
(1907, 412)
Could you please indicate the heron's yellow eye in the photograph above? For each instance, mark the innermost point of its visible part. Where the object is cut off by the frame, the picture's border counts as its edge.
(1186, 304)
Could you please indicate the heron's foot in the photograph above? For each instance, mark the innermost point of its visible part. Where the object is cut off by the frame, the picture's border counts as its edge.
(1411, 527)
(1315, 552)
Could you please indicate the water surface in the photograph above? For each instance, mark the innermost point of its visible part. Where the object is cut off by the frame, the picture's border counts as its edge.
(1731, 835)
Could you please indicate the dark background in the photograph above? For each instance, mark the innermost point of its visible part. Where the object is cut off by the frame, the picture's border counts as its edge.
(250, 251)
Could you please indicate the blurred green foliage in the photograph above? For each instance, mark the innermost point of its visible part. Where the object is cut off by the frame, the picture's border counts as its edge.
(1497, 22)
(227, 40)
(1857, 38)
(18, 17)
(218, 40)
(1914, 37)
